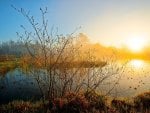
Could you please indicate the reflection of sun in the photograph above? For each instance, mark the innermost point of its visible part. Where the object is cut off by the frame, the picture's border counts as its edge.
(135, 43)
(136, 63)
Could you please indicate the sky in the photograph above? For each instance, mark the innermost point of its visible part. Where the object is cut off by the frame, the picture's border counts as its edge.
(110, 22)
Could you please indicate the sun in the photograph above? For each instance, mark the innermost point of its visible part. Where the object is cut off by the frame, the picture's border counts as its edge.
(136, 44)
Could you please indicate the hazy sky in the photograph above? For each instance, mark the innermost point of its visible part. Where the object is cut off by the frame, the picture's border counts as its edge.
(110, 22)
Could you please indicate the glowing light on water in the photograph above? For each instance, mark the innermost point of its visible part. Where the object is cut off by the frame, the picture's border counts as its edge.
(137, 63)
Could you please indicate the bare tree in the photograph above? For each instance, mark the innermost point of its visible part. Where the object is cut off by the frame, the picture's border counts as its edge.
(59, 64)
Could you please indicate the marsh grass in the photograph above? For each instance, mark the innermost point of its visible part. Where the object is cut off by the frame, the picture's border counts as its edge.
(122, 106)
(8, 63)
(88, 102)
(7, 66)
(142, 102)
(22, 107)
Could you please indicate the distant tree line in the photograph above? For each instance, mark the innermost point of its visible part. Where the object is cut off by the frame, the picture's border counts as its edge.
(16, 48)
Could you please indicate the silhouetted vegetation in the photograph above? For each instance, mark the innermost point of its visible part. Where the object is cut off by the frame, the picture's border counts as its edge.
(142, 102)
(88, 102)
(68, 63)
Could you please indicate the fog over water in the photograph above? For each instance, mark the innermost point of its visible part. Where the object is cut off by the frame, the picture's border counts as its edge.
(134, 80)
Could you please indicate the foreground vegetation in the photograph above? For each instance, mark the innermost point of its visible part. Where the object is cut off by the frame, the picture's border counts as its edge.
(88, 102)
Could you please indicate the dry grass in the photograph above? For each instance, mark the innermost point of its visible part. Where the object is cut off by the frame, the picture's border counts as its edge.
(89, 102)
(7, 66)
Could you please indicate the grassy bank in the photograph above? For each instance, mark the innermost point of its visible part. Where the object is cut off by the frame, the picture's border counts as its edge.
(7, 66)
(7, 63)
(89, 102)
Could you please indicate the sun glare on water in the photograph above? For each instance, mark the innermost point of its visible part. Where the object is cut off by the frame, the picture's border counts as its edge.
(137, 63)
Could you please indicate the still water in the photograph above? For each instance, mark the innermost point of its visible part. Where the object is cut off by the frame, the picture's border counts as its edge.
(135, 79)
(19, 85)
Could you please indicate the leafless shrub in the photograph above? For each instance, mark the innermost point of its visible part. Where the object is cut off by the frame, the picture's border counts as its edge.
(58, 63)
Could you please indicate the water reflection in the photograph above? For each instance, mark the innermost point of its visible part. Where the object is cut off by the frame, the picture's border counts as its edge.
(137, 63)
(135, 78)
(18, 85)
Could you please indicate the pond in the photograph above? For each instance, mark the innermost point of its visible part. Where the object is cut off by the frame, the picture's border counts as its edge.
(135, 79)
(19, 85)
